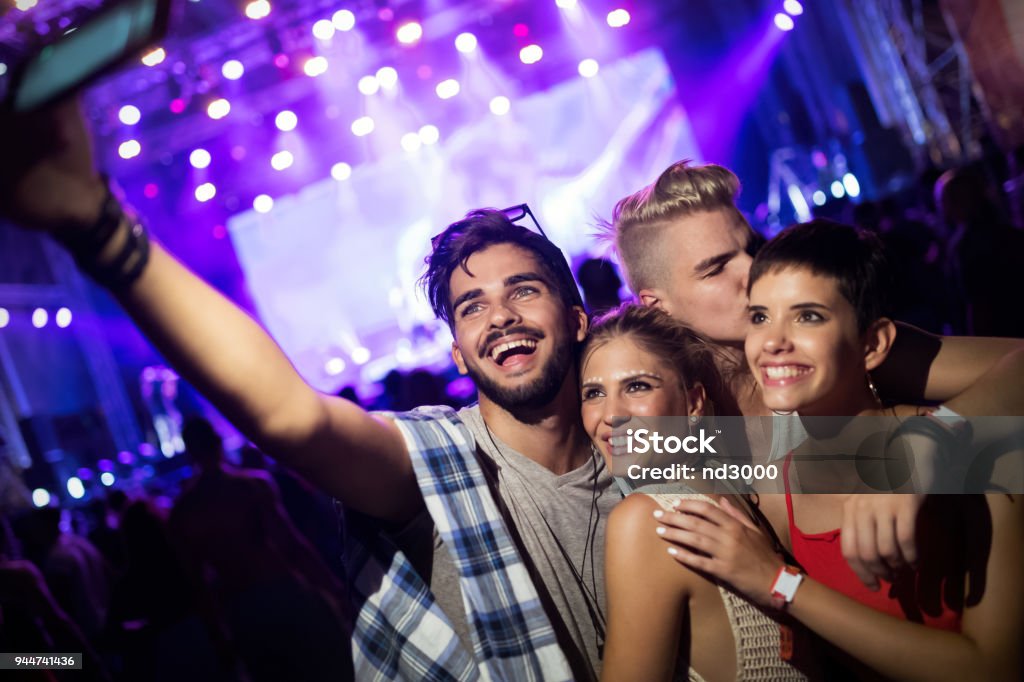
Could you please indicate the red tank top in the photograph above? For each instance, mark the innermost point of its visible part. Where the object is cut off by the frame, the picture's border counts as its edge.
(821, 556)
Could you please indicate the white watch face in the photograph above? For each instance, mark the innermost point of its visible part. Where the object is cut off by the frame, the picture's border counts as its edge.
(787, 583)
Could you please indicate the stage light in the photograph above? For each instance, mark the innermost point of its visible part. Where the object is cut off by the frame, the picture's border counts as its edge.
(40, 497)
(263, 203)
(566, 4)
(199, 158)
(315, 66)
(588, 68)
(129, 115)
(151, 190)
(465, 42)
(334, 366)
(531, 54)
(819, 198)
(411, 142)
(447, 89)
(129, 149)
(362, 126)
(387, 77)
(323, 29)
(368, 85)
(177, 105)
(360, 355)
(3, 68)
(232, 69)
(500, 105)
(341, 171)
(800, 207)
(39, 318)
(343, 20)
(127, 458)
(257, 9)
(851, 185)
(107, 478)
(793, 7)
(154, 57)
(63, 317)
(281, 60)
(218, 109)
(520, 30)
(25, 5)
(5, 317)
(618, 18)
(286, 120)
(75, 488)
(429, 134)
(784, 22)
(838, 191)
(205, 192)
(409, 33)
(282, 160)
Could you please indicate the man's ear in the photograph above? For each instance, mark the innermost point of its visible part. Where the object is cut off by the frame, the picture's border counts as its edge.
(652, 298)
(695, 398)
(457, 359)
(581, 321)
(878, 342)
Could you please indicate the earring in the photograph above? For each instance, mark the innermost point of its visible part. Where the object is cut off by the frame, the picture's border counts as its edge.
(693, 418)
(874, 391)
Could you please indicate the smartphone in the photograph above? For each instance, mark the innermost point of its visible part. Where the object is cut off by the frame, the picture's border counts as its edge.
(105, 41)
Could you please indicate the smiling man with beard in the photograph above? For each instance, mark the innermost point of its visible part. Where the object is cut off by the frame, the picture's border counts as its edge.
(476, 537)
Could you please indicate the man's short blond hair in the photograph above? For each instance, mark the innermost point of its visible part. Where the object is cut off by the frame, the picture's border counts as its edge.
(639, 220)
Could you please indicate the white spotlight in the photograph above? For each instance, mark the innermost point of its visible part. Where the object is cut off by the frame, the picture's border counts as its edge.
(531, 54)
(334, 366)
(447, 89)
(429, 134)
(323, 29)
(465, 42)
(40, 497)
(286, 120)
(205, 192)
(199, 158)
(154, 57)
(75, 488)
(368, 85)
(500, 105)
(232, 69)
(129, 149)
(618, 18)
(129, 115)
(40, 318)
(411, 142)
(819, 198)
(387, 77)
(63, 317)
(315, 66)
(409, 33)
(282, 160)
(5, 317)
(343, 20)
(793, 7)
(588, 68)
(341, 171)
(257, 9)
(218, 108)
(362, 126)
(107, 478)
(360, 355)
(838, 191)
(263, 203)
(851, 185)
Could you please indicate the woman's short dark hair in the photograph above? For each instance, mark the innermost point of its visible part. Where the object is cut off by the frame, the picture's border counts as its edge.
(479, 230)
(854, 259)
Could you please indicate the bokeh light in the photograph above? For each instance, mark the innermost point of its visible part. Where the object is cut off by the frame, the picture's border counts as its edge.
(323, 29)
(75, 488)
(447, 89)
(793, 7)
(282, 160)
(218, 108)
(63, 317)
(286, 120)
(387, 77)
(343, 20)
(39, 318)
(40, 497)
(362, 126)
(531, 54)
(784, 22)
(263, 203)
(465, 43)
(588, 68)
(129, 115)
(199, 158)
(257, 9)
(411, 142)
(341, 171)
(429, 134)
(154, 57)
(500, 105)
(232, 69)
(129, 149)
(368, 85)
(205, 192)
(618, 18)
(409, 33)
(315, 66)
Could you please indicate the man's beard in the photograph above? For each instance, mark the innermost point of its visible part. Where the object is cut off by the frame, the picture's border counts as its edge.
(536, 394)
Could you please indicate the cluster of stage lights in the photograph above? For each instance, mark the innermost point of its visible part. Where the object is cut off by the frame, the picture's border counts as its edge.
(76, 485)
(40, 317)
(784, 20)
(407, 33)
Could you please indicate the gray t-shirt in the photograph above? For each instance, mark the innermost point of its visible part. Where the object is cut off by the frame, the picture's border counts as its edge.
(558, 523)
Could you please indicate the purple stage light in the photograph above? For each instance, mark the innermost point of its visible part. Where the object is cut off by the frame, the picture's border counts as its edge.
(531, 54)
(362, 126)
(618, 18)
(257, 9)
(129, 149)
(177, 105)
(429, 134)
(151, 190)
(500, 105)
(411, 142)
(423, 72)
(219, 232)
(368, 85)
(323, 29)
(154, 57)
(409, 33)
(387, 77)
(315, 66)
(385, 14)
(232, 69)
(199, 158)
(263, 203)
(341, 171)
(218, 108)
(793, 7)
(520, 30)
(5, 317)
(447, 89)
(784, 22)
(105, 465)
(282, 160)
(465, 42)
(63, 318)
(238, 152)
(343, 20)
(129, 115)
(286, 120)
(145, 449)
(281, 61)
(205, 192)
(588, 68)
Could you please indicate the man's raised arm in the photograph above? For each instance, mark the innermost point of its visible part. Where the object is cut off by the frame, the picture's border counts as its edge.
(48, 182)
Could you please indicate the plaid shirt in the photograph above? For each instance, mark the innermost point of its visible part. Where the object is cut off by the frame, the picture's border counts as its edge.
(400, 631)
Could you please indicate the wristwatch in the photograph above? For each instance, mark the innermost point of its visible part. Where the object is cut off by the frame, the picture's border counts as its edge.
(787, 580)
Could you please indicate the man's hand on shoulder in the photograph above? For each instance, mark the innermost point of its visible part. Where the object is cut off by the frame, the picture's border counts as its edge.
(878, 534)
